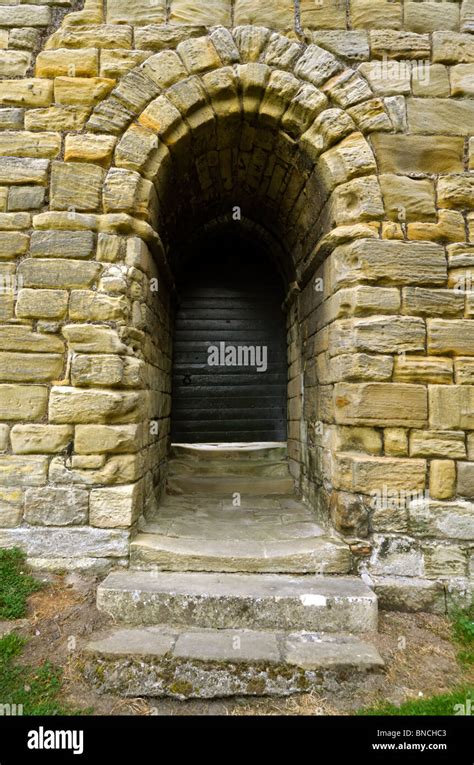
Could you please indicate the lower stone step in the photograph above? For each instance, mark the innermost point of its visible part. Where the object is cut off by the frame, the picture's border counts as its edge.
(229, 485)
(308, 555)
(168, 661)
(242, 601)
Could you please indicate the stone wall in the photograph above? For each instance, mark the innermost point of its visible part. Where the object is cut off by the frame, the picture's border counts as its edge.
(343, 132)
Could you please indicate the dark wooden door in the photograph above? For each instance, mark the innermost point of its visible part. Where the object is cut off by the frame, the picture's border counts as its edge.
(229, 312)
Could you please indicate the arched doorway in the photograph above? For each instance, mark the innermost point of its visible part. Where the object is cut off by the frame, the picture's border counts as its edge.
(229, 352)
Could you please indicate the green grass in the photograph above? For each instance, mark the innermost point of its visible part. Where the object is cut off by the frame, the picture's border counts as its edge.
(15, 584)
(463, 633)
(462, 621)
(442, 706)
(35, 688)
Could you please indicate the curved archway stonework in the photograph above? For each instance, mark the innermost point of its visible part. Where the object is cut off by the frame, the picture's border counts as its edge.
(343, 141)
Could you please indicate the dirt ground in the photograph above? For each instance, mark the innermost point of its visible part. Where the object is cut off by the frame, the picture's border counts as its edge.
(420, 661)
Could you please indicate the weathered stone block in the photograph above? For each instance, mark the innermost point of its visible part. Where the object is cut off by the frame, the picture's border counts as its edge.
(426, 443)
(40, 439)
(67, 61)
(86, 305)
(422, 369)
(140, 12)
(449, 520)
(93, 439)
(377, 334)
(89, 148)
(81, 91)
(421, 154)
(407, 198)
(443, 115)
(431, 16)
(25, 198)
(442, 479)
(27, 144)
(355, 472)
(451, 336)
(75, 405)
(395, 442)
(23, 402)
(117, 469)
(465, 485)
(4, 437)
(451, 407)
(30, 367)
(68, 543)
(385, 404)
(385, 14)
(456, 191)
(464, 371)
(444, 561)
(76, 186)
(56, 272)
(106, 370)
(21, 338)
(56, 506)
(451, 48)
(62, 244)
(27, 92)
(418, 301)
(86, 338)
(13, 243)
(275, 14)
(115, 507)
(11, 506)
(56, 118)
(388, 263)
(328, 15)
(360, 366)
(22, 170)
(23, 471)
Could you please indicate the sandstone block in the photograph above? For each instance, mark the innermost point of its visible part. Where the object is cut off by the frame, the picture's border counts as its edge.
(11, 506)
(21, 338)
(431, 16)
(456, 191)
(86, 305)
(358, 439)
(451, 407)
(106, 370)
(62, 244)
(89, 148)
(140, 12)
(444, 561)
(388, 263)
(422, 369)
(56, 272)
(418, 301)
(443, 115)
(427, 443)
(13, 243)
(115, 507)
(275, 14)
(377, 334)
(4, 436)
(30, 367)
(395, 442)
(24, 143)
(23, 402)
(25, 198)
(360, 366)
(327, 15)
(56, 506)
(22, 170)
(77, 186)
(452, 48)
(40, 439)
(442, 479)
(56, 118)
(465, 485)
(67, 61)
(384, 404)
(385, 14)
(23, 471)
(355, 472)
(449, 520)
(81, 91)
(464, 371)
(417, 153)
(27, 93)
(74, 542)
(86, 338)
(75, 405)
(93, 439)
(451, 336)
(408, 199)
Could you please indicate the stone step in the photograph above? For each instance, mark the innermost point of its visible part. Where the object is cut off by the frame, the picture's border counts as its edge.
(229, 485)
(307, 555)
(243, 601)
(226, 468)
(245, 452)
(166, 661)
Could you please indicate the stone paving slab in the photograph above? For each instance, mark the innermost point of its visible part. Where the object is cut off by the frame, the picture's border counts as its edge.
(192, 663)
(247, 601)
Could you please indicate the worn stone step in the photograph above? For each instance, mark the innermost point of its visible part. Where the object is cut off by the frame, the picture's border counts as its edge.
(245, 452)
(250, 486)
(307, 555)
(168, 661)
(226, 468)
(243, 601)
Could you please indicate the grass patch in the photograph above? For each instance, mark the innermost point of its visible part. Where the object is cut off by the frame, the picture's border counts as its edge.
(445, 705)
(36, 689)
(15, 584)
(463, 633)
